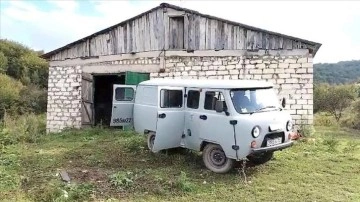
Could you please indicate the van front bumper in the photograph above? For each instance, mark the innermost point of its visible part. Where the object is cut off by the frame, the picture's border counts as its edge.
(273, 148)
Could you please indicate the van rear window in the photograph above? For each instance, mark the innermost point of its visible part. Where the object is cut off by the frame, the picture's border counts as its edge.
(124, 94)
(171, 98)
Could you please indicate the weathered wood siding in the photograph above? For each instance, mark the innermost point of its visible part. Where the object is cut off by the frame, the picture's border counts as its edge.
(166, 28)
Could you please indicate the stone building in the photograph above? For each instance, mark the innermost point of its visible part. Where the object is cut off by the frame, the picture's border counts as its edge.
(173, 42)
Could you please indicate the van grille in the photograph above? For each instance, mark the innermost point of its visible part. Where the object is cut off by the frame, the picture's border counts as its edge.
(272, 136)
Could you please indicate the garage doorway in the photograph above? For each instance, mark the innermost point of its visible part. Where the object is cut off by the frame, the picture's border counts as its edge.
(103, 92)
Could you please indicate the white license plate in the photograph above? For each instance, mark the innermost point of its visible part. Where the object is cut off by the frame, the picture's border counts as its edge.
(272, 142)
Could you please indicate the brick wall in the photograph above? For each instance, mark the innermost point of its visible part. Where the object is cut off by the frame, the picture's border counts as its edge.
(292, 76)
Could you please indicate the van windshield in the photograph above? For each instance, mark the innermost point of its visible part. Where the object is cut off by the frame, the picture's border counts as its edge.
(254, 100)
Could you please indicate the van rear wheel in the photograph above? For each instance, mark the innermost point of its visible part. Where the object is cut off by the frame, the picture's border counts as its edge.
(215, 159)
(151, 140)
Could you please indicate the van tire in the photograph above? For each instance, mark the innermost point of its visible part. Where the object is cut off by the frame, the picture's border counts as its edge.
(151, 140)
(215, 159)
(260, 158)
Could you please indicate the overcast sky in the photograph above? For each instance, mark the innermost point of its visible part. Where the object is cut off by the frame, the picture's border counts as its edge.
(49, 24)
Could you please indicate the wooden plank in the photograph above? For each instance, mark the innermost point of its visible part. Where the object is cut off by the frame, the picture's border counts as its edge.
(234, 33)
(143, 33)
(191, 36)
(175, 13)
(276, 45)
(147, 33)
(272, 42)
(130, 37)
(176, 33)
(258, 41)
(197, 32)
(137, 35)
(208, 34)
(91, 52)
(160, 29)
(219, 34)
(241, 38)
(126, 38)
(213, 34)
(202, 32)
(186, 32)
(113, 42)
(167, 31)
(249, 39)
(228, 34)
(105, 44)
(120, 39)
(152, 31)
(289, 44)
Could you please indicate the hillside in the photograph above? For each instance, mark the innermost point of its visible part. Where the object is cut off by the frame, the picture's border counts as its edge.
(337, 73)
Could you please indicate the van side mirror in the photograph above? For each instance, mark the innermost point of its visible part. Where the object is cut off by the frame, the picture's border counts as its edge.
(283, 102)
(219, 106)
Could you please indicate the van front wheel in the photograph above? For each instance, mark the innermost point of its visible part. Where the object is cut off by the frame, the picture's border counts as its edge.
(215, 159)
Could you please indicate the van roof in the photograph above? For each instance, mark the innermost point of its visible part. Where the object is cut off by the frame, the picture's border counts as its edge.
(207, 83)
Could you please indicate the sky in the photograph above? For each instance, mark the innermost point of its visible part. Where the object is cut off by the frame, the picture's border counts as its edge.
(49, 24)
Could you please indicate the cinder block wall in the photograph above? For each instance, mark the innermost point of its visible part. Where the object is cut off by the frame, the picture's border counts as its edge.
(64, 98)
(292, 76)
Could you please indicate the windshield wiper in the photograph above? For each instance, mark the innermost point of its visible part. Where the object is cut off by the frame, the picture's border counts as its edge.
(262, 108)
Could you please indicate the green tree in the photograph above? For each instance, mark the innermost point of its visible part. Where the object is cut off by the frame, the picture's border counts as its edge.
(333, 99)
(22, 63)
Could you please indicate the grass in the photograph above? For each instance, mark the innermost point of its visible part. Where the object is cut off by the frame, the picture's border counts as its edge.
(111, 165)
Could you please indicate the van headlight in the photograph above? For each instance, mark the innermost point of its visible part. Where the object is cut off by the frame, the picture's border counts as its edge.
(255, 131)
(289, 126)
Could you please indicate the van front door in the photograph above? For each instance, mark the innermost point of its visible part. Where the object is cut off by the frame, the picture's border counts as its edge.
(170, 120)
(123, 105)
(192, 121)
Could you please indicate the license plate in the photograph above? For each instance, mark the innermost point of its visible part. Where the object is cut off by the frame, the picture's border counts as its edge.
(272, 142)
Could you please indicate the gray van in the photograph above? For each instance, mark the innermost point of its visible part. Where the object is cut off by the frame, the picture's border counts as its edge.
(227, 120)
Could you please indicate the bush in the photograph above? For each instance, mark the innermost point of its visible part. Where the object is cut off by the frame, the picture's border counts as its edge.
(333, 99)
(332, 143)
(183, 183)
(20, 129)
(122, 179)
(32, 100)
(352, 116)
(323, 119)
(9, 93)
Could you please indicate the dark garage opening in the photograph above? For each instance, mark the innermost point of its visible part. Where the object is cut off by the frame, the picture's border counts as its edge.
(103, 94)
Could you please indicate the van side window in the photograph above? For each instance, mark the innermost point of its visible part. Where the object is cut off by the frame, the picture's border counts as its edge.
(210, 99)
(124, 94)
(171, 98)
(193, 99)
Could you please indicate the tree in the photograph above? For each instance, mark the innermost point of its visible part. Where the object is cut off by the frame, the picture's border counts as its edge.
(333, 99)
(22, 63)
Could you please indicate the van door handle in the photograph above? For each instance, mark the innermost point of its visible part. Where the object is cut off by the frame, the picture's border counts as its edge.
(203, 117)
(162, 116)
